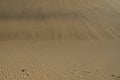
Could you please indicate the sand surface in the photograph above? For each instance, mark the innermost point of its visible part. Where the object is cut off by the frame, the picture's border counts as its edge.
(60, 40)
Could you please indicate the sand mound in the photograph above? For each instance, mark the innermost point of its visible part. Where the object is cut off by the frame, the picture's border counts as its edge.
(59, 20)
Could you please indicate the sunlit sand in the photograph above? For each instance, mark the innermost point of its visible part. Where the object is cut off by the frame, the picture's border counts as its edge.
(60, 40)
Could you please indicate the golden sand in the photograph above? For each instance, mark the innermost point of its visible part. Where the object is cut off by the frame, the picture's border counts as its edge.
(60, 40)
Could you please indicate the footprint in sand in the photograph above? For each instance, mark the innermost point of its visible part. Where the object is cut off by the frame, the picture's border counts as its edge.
(25, 72)
(115, 77)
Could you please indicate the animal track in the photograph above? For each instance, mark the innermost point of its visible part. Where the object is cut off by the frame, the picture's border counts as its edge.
(25, 72)
(115, 77)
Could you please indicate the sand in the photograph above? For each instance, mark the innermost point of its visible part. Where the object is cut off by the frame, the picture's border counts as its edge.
(60, 40)
(22, 60)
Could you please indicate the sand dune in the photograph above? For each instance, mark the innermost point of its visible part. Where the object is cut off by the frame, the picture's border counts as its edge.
(59, 40)
(76, 20)
(74, 29)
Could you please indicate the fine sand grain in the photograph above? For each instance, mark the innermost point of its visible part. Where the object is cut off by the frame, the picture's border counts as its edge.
(59, 40)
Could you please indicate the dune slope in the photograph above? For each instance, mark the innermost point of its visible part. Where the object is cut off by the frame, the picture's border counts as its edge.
(59, 40)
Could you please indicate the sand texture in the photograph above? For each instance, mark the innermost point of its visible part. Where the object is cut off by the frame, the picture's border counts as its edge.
(59, 40)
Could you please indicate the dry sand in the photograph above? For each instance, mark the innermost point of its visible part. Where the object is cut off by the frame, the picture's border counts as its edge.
(60, 40)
